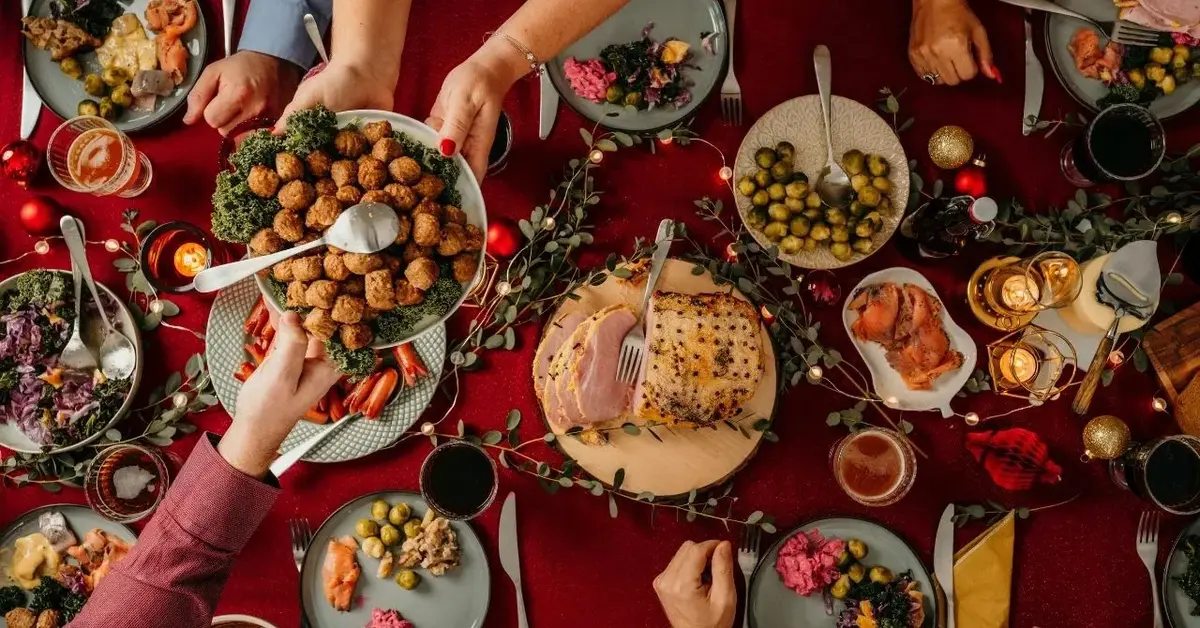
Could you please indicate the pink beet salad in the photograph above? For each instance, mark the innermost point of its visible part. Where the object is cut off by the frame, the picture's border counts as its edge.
(589, 78)
(387, 619)
(807, 562)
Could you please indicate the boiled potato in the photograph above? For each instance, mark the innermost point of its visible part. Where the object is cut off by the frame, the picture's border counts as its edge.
(1161, 55)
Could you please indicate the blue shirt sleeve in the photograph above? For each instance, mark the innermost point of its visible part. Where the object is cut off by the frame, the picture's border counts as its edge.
(276, 28)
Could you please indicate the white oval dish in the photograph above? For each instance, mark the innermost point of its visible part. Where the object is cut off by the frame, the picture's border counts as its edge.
(887, 382)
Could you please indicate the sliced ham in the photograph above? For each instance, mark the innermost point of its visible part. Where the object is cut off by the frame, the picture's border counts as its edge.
(558, 333)
(593, 382)
(561, 409)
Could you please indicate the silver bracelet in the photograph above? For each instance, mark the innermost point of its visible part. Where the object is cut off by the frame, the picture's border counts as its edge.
(534, 65)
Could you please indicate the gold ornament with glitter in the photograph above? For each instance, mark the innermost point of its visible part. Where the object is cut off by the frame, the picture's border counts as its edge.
(1104, 438)
(950, 147)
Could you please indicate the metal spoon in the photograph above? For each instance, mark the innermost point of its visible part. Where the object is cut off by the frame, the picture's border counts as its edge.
(77, 355)
(117, 355)
(314, 33)
(364, 228)
(833, 185)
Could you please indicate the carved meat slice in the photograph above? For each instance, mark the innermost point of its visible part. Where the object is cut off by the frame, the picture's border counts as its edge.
(906, 320)
(62, 38)
(593, 381)
(556, 335)
(878, 307)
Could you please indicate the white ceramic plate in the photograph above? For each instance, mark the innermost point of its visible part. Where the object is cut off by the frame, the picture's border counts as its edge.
(854, 126)
(1178, 606)
(472, 204)
(887, 382)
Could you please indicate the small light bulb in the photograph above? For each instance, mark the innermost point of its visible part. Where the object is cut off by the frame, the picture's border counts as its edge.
(815, 373)
(1159, 404)
(1173, 218)
(726, 173)
(1116, 358)
(41, 247)
(427, 428)
(971, 419)
(503, 288)
(766, 314)
(596, 156)
(666, 140)
(730, 254)
(891, 402)
(112, 246)
(179, 400)
(548, 223)
(156, 306)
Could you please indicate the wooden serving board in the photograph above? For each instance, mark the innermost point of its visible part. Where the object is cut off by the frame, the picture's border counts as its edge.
(685, 459)
(1173, 347)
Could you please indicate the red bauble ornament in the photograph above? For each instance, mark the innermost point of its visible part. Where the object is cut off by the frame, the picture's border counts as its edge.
(20, 160)
(503, 238)
(1015, 458)
(39, 216)
(970, 179)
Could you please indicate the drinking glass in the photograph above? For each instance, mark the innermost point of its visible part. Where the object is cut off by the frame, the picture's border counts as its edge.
(102, 484)
(460, 472)
(1165, 471)
(88, 154)
(1022, 287)
(874, 453)
(1123, 142)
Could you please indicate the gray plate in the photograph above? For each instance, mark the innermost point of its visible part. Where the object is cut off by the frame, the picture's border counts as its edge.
(772, 605)
(80, 518)
(93, 334)
(1059, 30)
(458, 599)
(681, 19)
(62, 94)
(225, 350)
(1177, 605)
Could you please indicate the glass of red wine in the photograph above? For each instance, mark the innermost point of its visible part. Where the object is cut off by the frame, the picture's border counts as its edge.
(1124, 142)
(459, 480)
(1165, 471)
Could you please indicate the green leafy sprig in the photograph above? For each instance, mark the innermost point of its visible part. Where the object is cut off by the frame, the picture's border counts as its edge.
(889, 103)
(992, 511)
(143, 298)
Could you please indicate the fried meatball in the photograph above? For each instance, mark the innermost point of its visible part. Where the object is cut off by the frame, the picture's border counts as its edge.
(375, 131)
(320, 324)
(406, 294)
(307, 268)
(350, 143)
(348, 310)
(405, 170)
(464, 266)
(288, 166)
(380, 291)
(412, 251)
(319, 163)
(321, 293)
(283, 271)
(295, 294)
(391, 263)
(454, 239)
(356, 336)
(335, 267)
(48, 619)
(263, 181)
(297, 195)
(428, 206)
(349, 195)
(379, 196)
(344, 172)
(429, 186)
(387, 149)
(265, 242)
(288, 225)
(20, 618)
(372, 174)
(325, 187)
(361, 264)
(354, 286)
(405, 229)
(455, 215)
(474, 238)
(406, 199)
(421, 273)
(370, 314)
(323, 213)
(425, 230)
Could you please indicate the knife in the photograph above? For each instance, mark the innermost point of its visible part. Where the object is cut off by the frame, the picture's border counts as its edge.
(510, 559)
(943, 560)
(31, 105)
(228, 7)
(1035, 78)
(548, 107)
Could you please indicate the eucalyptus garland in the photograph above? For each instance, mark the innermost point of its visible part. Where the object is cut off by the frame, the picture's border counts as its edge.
(992, 511)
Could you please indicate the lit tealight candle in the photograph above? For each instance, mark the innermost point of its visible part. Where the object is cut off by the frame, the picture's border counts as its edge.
(1018, 365)
(190, 259)
(1019, 293)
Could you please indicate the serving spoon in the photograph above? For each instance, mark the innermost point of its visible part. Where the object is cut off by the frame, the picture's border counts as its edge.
(833, 184)
(117, 355)
(364, 228)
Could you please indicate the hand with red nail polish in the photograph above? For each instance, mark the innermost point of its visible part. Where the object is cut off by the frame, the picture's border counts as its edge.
(948, 41)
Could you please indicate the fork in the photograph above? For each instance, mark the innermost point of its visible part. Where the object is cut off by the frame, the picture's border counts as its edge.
(731, 92)
(1120, 31)
(301, 538)
(1147, 549)
(633, 348)
(747, 561)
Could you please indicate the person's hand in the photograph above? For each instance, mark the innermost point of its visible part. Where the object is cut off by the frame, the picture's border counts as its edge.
(941, 41)
(342, 87)
(295, 375)
(685, 597)
(239, 87)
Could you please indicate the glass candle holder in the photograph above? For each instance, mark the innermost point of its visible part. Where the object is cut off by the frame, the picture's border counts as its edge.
(875, 466)
(1010, 291)
(88, 154)
(125, 483)
(1032, 363)
(173, 254)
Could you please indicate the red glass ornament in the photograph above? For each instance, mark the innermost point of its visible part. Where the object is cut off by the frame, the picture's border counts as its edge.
(970, 179)
(766, 314)
(20, 160)
(822, 288)
(39, 216)
(1015, 458)
(730, 254)
(503, 238)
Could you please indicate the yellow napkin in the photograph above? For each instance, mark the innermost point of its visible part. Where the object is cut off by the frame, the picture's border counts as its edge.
(983, 577)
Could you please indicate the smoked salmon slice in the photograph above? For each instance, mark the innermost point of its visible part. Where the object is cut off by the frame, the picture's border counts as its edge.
(340, 572)
(907, 322)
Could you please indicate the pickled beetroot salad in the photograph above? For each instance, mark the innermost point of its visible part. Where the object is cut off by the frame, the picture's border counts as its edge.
(52, 405)
(808, 562)
(642, 74)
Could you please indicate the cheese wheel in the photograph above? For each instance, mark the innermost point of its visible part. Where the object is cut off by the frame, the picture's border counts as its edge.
(1087, 315)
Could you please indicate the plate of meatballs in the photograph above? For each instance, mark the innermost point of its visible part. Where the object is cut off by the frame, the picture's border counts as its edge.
(382, 299)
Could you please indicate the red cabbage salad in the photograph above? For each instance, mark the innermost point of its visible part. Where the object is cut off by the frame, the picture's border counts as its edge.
(52, 405)
(642, 74)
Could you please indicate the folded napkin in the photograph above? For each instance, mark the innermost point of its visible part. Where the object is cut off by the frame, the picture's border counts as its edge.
(983, 577)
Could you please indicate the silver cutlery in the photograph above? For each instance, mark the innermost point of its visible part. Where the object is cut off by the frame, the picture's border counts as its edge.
(547, 105)
(943, 560)
(301, 538)
(227, 10)
(31, 105)
(1035, 80)
(1120, 31)
(77, 355)
(833, 184)
(510, 557)
(117, 355)
(747, 558)
(293, 455)
(633, 348)
(1147, 549)
(314, 33)
(731, 92)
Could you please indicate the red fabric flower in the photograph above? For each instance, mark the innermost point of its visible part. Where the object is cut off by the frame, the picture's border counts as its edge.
(1015, 458)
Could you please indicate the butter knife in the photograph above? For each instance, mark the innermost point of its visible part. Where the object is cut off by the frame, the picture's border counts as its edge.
(228, 7)
(510, 558)
(943, 560)
(293, 455)
(31, 105)
(548, 107)
(1035, 78)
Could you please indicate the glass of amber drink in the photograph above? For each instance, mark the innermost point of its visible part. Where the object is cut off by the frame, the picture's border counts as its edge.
(875, 466)
(89, 154)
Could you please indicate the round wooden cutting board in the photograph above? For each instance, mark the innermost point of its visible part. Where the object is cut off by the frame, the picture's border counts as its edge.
(685, 459)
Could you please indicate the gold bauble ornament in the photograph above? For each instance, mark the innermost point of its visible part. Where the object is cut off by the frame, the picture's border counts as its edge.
(951, 147)
(1105, 437)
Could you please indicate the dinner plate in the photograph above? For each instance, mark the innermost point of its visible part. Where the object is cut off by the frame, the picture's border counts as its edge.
(225, 350)
(12, 438)
(1178, 606)
(687, 20)
(886, 380)
(472, 205)
(772, 605)
(855, 126)
(79, 518)
(1059, 30)
(458, 599)
(62, 94)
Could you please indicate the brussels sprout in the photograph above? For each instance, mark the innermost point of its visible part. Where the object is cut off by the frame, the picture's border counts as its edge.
(814, 214)
(113, 77)
(1195, 71)
(796, 189)
(379, 511)
(883, 184)
(884, 206)
(878, 166)
(633, 99)
(853, 162)
(775, 191)
(841, 251)
(882, 575)
(389, 534)
(373, 547)
(407, 579)
(813, 200)
(121, 95)
(760, 199)
(857, 548)
(864, 229)
(87, 108)
(863, 245)
(786, 151)
(399, 514)
(859, 181)
(791, 244)
(755, 219)
(775, 231)
(794, 204)
(93, 85)
(762, 178)
(1167, 85)
(810, 244)
(108, 110)
(412, 528)
(365, 528)
(614, 94)
(800, 176)
(819, 232)
(869, 197)
(840, 588)
(1137, 78)
(835, 216)
(1155, 72)
(845, 559)
(799, 226)
(1181, 75)
(1160, 55)
(856, 571)
(765, 158)
(875, 219)
(70, 66)
(840, 233)
(1180, 61)
(781, 172)
(778, 212)
(746, 186)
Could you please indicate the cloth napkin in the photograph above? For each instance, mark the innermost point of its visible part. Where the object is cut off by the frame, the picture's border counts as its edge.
(983, 577)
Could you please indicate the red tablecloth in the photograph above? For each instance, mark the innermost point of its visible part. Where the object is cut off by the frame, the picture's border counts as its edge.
(1075, 565)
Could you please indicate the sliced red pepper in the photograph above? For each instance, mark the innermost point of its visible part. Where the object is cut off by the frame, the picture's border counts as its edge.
(323, 403)
(380, 394)
(258, 317)
(267, 336)
(361, 391)
(316, 416)
(244, 371)
(337, 409)
(410, 363)
(345, 385)
(256, 352)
